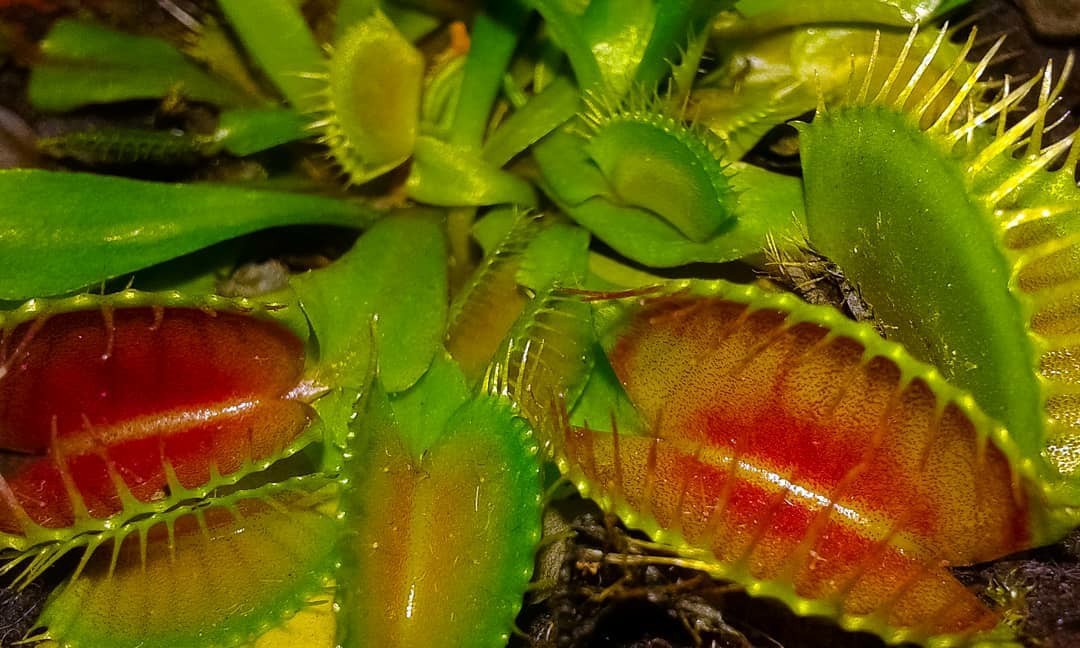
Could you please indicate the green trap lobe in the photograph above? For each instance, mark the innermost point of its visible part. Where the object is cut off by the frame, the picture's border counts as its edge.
(889, 208)
(215, 576)
(448, 536)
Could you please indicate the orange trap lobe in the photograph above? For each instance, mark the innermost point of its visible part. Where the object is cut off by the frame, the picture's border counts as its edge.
(804, 463)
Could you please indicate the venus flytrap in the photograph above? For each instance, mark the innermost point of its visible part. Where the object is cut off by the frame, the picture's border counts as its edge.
(526, 257)
(238, 454)
(367, 112)
(656, 163)
(771, 438)
(390, 448)
(252, 381)
(593, 168)
(450, 497)
(766, 203)
(185, 578)
(779, 76)
(992, 232)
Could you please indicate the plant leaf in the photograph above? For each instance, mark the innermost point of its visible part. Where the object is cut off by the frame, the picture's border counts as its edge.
(454, 177)
(423, 410)
(395, 272)
(762, 16)
(86, 64)
(62, 231)
(449, 536)
(370, 107)
(215, 573)
(769, 205)
(245, 132)
(494, 38)
(545, 112)
(277, 37)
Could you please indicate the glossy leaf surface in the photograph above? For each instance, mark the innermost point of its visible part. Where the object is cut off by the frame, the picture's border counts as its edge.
(781, 75)
(492, 42)
(60, 232)
(768, 204)
(758, 16)
(454, 177)
(248, 131)
(612, 45)
(661, 166)
(954, 309)
(447, 535)
(109, 405)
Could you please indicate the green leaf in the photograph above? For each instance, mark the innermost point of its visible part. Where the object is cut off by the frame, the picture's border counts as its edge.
(762, 16)
(618, 32)
(423, 410)
(566, 30)
(768, 80)
(370, 108)
(412, 23)
(86, 64)
(606, 274)
(545, 112)
(545, 359)
(393, 281)
(569, 174)
(449, 537)
(245, 132)
(657, 164)
(490, 230)
(62, 231)
(895, 213)
(494, 37)
(675, 24)
(604, 403)
(450, 176)
(336, 410)
(615, 44)
(277, 37)
(351, 12)
(556, 253)
(559, 255)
